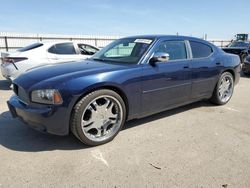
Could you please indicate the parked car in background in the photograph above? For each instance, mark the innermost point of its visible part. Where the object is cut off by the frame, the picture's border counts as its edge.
(246, 66)
(240, 48)
(130, 78)
(42, 53)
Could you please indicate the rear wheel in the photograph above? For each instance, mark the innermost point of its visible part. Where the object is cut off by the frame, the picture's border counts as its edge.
(224, 89)
(98, 117)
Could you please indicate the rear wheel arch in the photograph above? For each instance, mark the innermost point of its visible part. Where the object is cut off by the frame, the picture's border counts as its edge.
(230, 71)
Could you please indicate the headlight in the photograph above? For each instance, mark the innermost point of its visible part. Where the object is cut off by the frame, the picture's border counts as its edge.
(46, 96)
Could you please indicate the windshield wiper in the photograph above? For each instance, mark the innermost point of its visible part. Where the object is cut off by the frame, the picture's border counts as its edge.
(98, 59)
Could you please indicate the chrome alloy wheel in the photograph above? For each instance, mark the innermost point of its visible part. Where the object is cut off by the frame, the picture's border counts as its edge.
(102, 118)
(226, 88)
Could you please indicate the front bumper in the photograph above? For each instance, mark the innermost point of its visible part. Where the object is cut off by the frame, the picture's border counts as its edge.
(246, 67)
(50, 119)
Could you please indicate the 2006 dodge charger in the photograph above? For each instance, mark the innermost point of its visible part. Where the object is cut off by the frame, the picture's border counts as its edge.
(130, 78)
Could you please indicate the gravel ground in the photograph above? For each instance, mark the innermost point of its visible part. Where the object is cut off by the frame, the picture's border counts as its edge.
(198, 145)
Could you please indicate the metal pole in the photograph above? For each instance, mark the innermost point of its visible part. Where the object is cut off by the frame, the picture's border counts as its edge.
(95, 41)
(6, 43)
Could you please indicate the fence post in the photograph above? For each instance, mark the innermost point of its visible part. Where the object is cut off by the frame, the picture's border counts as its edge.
(6, 43)
(95, 41)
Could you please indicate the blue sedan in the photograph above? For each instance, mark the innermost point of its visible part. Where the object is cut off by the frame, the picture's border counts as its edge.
(131, 78)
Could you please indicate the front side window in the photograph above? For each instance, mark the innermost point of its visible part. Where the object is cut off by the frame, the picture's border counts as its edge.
(200, 50)
(128, 50)
(63, 49)
(175, 49)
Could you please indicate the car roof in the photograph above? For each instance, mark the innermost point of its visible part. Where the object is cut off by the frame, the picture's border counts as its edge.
(170, 37)
(47, 43)
(165, 37)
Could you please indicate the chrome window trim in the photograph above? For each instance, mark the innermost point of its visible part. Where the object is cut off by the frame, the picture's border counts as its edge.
(157, 43)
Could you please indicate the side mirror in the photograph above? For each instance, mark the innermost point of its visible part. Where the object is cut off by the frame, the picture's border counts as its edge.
(159, 57)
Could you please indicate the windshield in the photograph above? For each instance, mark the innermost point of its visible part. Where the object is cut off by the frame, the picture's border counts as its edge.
(30, 47)
(238, 44)
(128, 50)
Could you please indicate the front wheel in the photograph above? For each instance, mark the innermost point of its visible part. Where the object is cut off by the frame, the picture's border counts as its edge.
(224, 89)
(98, 117)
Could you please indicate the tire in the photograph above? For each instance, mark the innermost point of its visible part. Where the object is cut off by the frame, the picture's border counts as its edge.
(246, 73)
(98, 117)
(217, 96)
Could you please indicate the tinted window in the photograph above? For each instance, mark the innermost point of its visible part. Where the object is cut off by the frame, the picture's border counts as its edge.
(62, 48)
(200, 50)
(87, 49)
(30, 47)
(175, 49)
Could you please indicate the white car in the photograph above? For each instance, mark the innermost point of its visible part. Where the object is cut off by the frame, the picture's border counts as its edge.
(42, 53)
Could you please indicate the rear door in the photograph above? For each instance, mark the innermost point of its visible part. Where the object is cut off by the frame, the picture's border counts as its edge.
(63, 52)
(205, 69)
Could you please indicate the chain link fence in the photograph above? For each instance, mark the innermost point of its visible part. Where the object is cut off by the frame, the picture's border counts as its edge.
(13, 41)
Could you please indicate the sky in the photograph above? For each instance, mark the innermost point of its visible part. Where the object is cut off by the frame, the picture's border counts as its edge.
(219, 19)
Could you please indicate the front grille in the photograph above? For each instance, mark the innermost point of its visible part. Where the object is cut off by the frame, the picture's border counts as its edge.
(21, 93)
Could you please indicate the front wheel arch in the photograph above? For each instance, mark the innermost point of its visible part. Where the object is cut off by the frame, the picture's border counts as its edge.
(118, 90)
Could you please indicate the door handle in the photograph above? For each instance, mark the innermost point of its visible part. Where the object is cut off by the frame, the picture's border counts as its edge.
(186, 67)
(218, 63)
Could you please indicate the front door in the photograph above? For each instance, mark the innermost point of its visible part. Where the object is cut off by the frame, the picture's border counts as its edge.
(167, 83)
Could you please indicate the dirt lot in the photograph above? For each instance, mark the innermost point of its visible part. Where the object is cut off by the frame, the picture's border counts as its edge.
(199, 145)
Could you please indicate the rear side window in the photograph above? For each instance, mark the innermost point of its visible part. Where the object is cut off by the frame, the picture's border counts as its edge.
(30, 47)
(63, 48)
(200, 50)
(175, 49)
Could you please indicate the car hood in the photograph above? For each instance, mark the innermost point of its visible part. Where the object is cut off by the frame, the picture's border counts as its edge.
(64, 71)
(234, 50)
